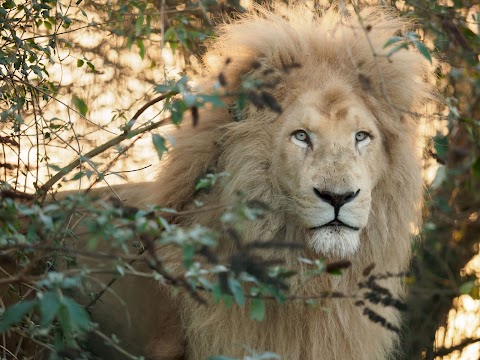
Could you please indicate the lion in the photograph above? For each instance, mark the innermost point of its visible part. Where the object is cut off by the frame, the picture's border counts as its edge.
(339, 166)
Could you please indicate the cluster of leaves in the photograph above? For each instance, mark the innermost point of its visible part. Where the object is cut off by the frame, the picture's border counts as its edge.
(180, 98)
(23, 56)
(52, 317)
(184, 25)
(403, 42)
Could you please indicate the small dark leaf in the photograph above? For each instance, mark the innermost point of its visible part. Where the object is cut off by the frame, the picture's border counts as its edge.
(337, 265)
(441, 146)
(159, 143)
(78, 316)
(393, 40)
(49, 305)
(15, 313)
(80, 105)
(257, 309)
(397, 48)
(423, 50)
(476, 168)
(271, 102)
(222, 80)
(141, 46)
(9, 4)
(178, 108)
(194, 111)
(237, 290)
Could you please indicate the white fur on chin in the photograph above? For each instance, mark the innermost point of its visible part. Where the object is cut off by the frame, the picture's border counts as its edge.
(335, 241)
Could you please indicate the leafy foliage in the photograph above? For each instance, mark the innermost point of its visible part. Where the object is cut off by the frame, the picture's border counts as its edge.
(41, 277)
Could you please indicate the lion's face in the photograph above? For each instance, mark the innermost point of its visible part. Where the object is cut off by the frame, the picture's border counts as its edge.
(328, 159)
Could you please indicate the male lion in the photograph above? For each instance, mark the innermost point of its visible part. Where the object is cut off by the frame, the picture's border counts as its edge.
(339, 167)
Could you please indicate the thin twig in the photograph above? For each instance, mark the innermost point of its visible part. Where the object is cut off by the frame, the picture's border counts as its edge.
(446, 351)
(111, 343)
(104, 147)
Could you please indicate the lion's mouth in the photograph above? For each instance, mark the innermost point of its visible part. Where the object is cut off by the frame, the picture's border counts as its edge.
(337, 224)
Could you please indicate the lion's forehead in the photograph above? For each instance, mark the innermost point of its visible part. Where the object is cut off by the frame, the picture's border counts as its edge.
(334, 105)
(342, 119)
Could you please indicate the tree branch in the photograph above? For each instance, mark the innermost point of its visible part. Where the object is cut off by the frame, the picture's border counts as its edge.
(116, 140)
(446, 351)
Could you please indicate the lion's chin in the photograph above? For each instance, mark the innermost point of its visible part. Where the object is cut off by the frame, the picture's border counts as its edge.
(334, 241)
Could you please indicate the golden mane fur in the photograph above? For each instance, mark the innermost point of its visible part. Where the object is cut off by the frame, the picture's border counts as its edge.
(336, 56)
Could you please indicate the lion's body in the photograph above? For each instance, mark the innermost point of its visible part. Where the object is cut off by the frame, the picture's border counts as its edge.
(338, 87)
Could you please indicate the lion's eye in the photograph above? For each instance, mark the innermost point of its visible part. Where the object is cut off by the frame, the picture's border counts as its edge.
(362, 139)
(362, 136)
(301, 138)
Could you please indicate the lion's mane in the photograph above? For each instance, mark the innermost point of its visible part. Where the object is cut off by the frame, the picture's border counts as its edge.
(334, 50)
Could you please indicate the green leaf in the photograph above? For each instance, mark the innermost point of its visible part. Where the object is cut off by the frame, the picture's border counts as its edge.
(257, 309)
(237, 290)
(178, 108)
(188, 254)
(78, 316)
(37, 70)
(162, 89)
(148, 26)
(54, 167)
(139, 25)
(466, 288)
(78, 175)
(267, 356)
(47, 25)
(80, 62)
(397, 48)
(67, 43)
(15, 313)
(441, 145)
(49, 305)
(80, 105)
(64, 320)
(215, 100)
(423, 50)
(141, 46)
(393, 40)
(203, 183)
(91, 66)
(66, 22)
(9, 4)
(476, 168)
(227, 300)
(217, 293)
(159, 143)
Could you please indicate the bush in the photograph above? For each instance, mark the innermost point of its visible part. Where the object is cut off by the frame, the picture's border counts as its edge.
(40, 114)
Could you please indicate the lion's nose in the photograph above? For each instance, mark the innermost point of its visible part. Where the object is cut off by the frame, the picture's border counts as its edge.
(336, 200)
